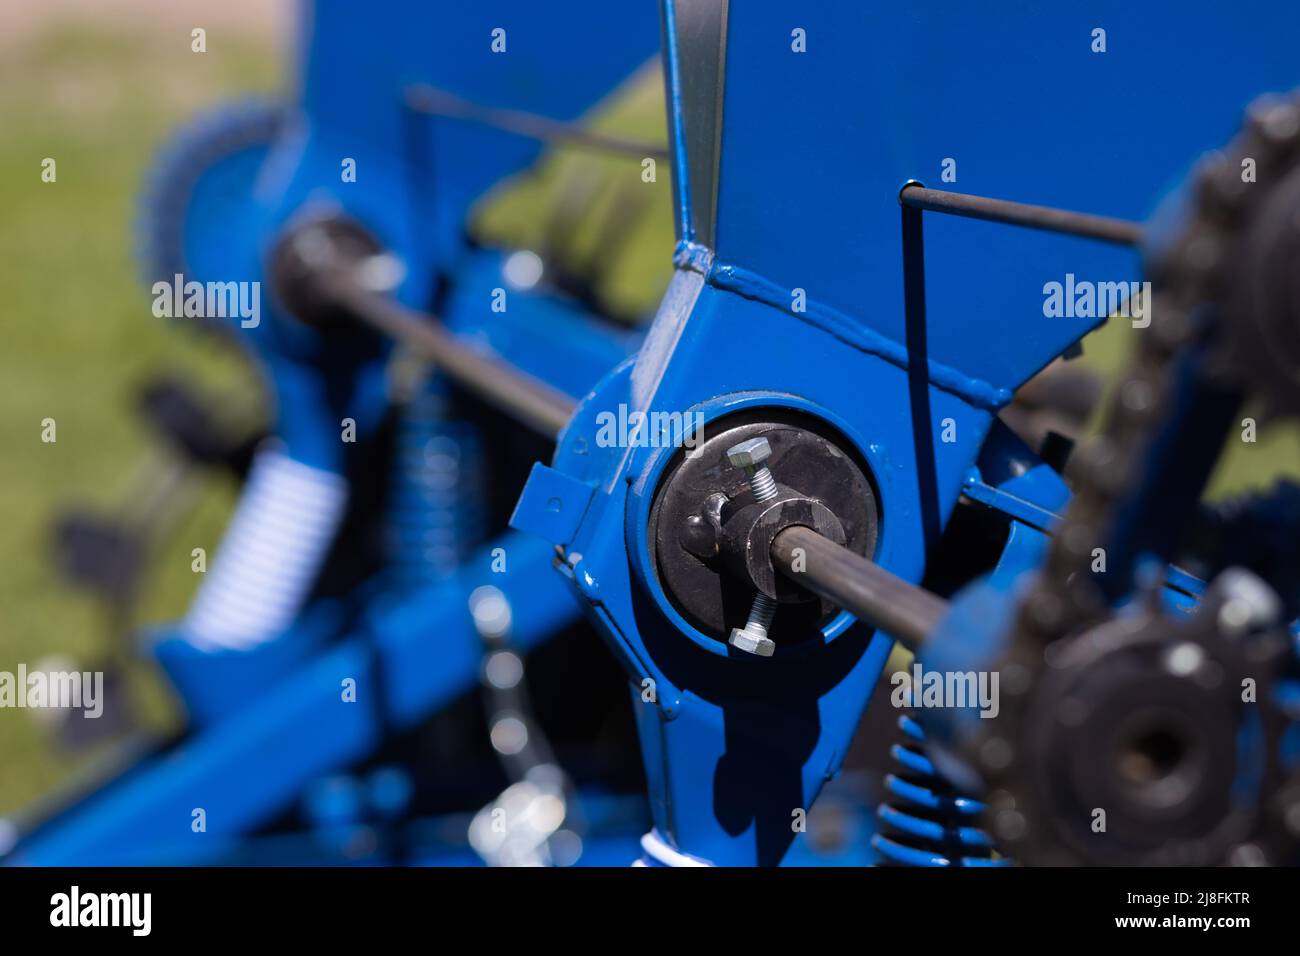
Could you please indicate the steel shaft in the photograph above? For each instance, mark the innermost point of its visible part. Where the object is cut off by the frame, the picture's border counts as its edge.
(904, 611)
(533, 403)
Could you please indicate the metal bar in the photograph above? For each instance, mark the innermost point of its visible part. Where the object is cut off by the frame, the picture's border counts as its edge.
(435, 102)
(1047, 218)
(885, 601)
(876, 596)
(536, 404)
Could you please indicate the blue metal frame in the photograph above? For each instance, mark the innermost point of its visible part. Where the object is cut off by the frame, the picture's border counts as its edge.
(785, 194)
(799, 183)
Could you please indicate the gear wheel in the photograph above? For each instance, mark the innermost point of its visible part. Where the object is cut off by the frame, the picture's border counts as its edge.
(1096, 713)
(201, 188)
(1151, 740)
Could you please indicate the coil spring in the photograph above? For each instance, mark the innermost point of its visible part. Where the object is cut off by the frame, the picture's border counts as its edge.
(925, 822)
(437, 506)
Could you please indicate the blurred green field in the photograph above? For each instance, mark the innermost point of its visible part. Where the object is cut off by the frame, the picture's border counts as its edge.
(79, 335)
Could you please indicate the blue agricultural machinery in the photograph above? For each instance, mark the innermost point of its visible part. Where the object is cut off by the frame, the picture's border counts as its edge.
(837, 438)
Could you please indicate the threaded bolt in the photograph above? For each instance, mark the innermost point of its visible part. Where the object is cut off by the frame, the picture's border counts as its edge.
(763, 484)
(761, 613)
(750, 456)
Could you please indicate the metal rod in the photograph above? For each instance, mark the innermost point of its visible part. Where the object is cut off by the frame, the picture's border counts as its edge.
(435, 102)
(885, 601)
(1101, 228)
(536, 404)
(906, 612)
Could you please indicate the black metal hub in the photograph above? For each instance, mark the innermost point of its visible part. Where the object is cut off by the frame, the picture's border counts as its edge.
(309, 253)
(748, 530)
(1135, 747)
(710, 539)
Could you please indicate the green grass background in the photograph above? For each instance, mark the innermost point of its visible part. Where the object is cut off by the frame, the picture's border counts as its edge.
(78, 335)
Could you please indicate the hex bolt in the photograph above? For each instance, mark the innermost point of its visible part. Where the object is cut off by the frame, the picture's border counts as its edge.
(753, 636)
(750, 456)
